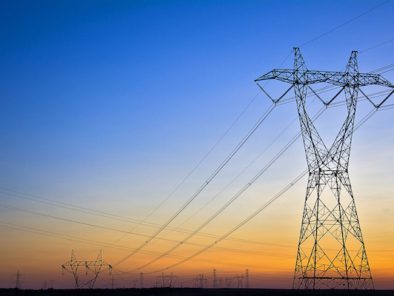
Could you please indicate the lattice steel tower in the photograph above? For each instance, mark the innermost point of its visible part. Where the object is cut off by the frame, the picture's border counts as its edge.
(92, 269)
(331, 251)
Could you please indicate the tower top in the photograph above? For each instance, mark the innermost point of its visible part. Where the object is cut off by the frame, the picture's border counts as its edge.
(301, 75)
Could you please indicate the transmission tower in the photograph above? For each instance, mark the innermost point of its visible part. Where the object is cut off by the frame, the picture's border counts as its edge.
(240, 281)
(92, 270)
(200, 281)
(18, 280)
(331, 251)
(166, 281)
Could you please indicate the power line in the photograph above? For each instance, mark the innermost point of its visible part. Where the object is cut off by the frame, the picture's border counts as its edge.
(204, 185)
(68, 220)
(143, 221)
(187, 176)
(334, 29)
(383, 68)
(344, 24)
(258, 211)
(169, 251)
(62, 236)
(233, 198)
(35, 198)
(244, 169)
(205, 156)
(71, 238)
(219, 239)
(239, 193)
(89, 224)
(377, 45)
(164, 226)
(253, 161)
(198, 163)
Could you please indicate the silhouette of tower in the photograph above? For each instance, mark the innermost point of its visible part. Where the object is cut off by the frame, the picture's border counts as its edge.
(18, 280)
(331, 251)
(200, 281)
(240, 281)
(112, 282)
(92, 270)
(166, 281)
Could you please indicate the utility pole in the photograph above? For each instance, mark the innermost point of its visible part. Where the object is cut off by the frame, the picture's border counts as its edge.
(247, 278)
(331, 252)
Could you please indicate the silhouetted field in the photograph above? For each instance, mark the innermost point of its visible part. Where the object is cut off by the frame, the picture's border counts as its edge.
(190, 292)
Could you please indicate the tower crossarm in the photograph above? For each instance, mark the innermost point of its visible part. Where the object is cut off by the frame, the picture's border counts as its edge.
(330, 77)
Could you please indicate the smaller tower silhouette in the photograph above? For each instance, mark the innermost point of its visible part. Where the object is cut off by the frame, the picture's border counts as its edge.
(92, 270)
(240, 281)
(18, 280)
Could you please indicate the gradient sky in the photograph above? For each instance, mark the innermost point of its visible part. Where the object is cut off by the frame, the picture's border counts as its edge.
(108, 105)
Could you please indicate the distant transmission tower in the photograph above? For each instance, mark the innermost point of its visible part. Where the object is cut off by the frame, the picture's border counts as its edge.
(331, 251)
(18, 280)
(200, 281)
(240, 281)
(166, 281)
(214, 280)
(91, 269)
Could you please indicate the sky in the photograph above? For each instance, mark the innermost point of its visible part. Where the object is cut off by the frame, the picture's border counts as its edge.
(110, 107)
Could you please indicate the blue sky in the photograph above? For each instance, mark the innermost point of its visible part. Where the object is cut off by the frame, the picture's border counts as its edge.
(94, 81)
(110, 103)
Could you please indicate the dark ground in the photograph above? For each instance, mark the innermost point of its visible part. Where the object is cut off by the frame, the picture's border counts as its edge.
(191, 292)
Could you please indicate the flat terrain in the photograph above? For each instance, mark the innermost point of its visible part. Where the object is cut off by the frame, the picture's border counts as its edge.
(189, 292)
